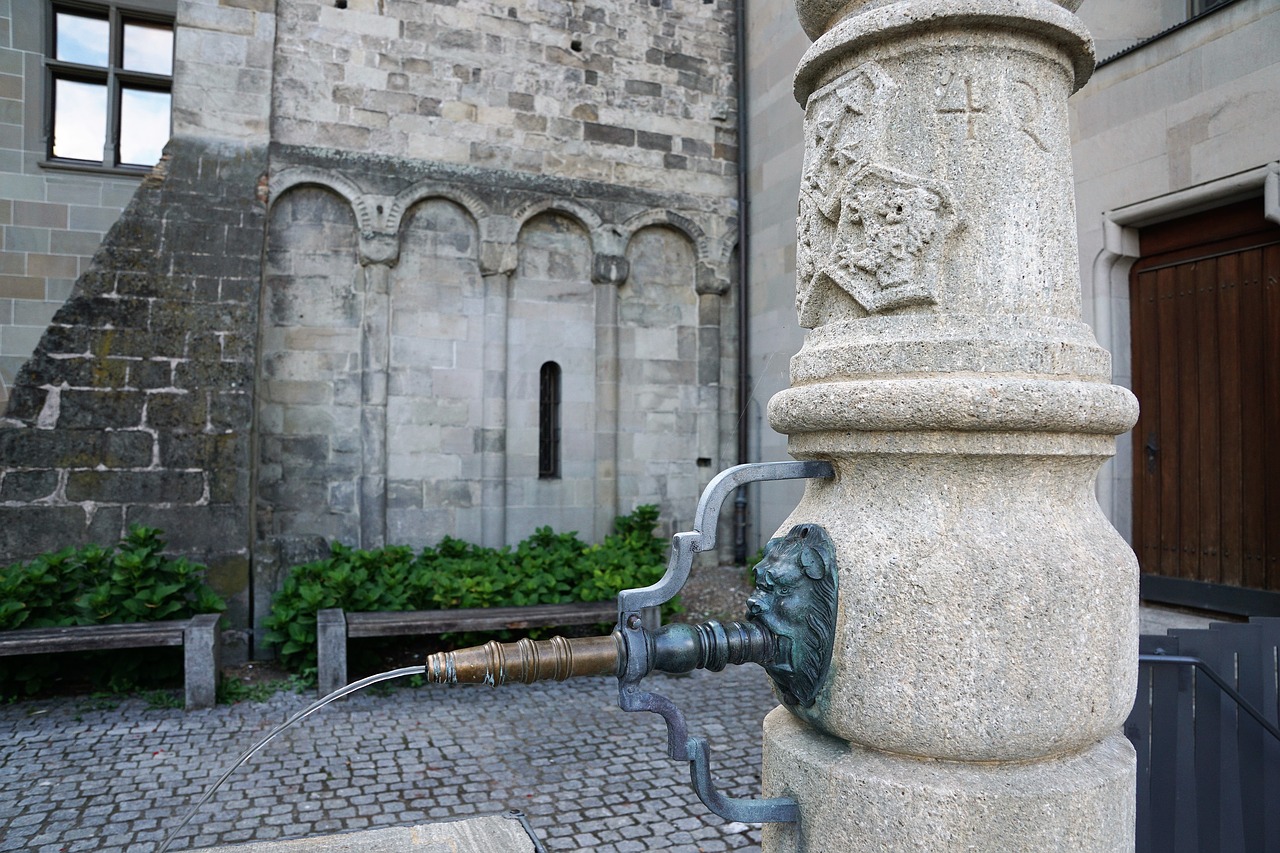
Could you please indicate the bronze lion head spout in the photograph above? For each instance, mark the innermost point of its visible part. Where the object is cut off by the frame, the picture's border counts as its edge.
(795, 599)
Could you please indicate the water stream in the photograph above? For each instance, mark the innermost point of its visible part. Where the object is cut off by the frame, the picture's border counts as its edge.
(301, 715)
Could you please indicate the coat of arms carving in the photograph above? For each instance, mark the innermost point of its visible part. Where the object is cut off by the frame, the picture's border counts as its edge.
(866, 230)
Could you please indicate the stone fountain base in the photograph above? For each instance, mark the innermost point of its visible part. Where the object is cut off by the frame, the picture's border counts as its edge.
(489, 834)
(856, 800)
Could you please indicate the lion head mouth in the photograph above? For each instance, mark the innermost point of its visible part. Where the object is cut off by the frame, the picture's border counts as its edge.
(795, 599)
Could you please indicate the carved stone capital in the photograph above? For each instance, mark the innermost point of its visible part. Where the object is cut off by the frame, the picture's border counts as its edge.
(498, 258)
(379, 247)
(609, 269)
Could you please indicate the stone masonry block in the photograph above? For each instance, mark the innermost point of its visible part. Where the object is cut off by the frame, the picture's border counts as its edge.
(177, 411)
(24, 486)
(209, 452)
(30, 530)
(295, 451)
(43, 448)
(696, 82)
(208, 532)
(200, 317)
(609, 134)
(142, 284)
(100, 409)
(135, 343)
(53, 266)
(653, 141)
(200, 661)
(230, 411)
(643, 87)
(132, 487)
(42, 370)
(228, 484)
(149, 374)
(221, 374)
(21, 287)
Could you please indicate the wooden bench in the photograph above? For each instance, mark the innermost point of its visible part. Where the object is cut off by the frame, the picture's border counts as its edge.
(335, 626)
(198, 637)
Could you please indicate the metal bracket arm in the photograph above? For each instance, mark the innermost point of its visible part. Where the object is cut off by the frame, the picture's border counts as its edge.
(638, 648)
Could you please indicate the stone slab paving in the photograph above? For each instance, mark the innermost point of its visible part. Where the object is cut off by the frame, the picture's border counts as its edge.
(76, 776)
(484, 834)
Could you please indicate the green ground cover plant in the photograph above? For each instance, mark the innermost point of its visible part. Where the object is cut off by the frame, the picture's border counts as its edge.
(132, 581)
(546, 568)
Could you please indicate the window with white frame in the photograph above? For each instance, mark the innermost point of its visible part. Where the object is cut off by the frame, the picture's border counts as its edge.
(110, 75)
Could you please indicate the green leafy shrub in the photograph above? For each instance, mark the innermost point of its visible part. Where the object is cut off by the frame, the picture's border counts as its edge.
(546, 568)
(629, 557)
(131, 582)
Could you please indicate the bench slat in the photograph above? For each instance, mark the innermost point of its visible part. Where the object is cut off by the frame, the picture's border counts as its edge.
(422, 622)
(86, 638)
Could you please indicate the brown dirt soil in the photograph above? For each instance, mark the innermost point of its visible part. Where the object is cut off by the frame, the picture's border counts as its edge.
(716, 592)
(256, 672)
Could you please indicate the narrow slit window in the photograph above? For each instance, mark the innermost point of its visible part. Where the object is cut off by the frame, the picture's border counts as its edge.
(549, 421)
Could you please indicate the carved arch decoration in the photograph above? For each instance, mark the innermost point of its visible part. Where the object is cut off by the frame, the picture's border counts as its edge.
(711, 256)
(362, 205)
(692, 230)
(585, 216)
(425, 190)
(723, 249)
(608, 262)
(470, 203)
(377, 244)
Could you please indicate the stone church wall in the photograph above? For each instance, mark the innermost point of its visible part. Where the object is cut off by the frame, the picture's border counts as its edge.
(631, 92)
(407, 310)
(333, 331)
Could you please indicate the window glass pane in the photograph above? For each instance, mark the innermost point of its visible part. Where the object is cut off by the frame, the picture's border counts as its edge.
(549, 421)
(144, 126)
(83, 40)
(79, 119)
(148, 47)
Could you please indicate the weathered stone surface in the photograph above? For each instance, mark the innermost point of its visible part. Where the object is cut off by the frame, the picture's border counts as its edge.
(37, 528)
(100, 409)
(985, 647)
(950, 571)
(26, 486)
(114, 408)
(1033, 385)
(489, 834)
(449, 196)
(131, 487)
(23, 448)
(856, 800)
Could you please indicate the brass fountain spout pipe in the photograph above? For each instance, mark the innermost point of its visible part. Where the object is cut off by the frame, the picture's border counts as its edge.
(527, 661)
(673, 648)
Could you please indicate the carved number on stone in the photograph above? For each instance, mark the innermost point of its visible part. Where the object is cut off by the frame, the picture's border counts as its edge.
(956, 96)
(1026, 104)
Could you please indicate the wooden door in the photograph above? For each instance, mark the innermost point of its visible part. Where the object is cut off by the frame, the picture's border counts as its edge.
(1205, 312)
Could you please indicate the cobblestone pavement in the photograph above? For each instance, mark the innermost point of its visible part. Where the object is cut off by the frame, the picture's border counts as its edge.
(76, 776)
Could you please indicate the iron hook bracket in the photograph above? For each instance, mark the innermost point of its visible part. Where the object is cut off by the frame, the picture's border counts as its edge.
(631, 696)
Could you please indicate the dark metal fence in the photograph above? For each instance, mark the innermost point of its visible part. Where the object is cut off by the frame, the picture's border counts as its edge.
(1206, 727)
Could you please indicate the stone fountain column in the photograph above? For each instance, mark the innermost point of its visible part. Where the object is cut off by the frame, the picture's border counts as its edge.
(986, 643)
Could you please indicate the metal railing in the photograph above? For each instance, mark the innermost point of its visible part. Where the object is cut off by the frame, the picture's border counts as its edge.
(1206, 728)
